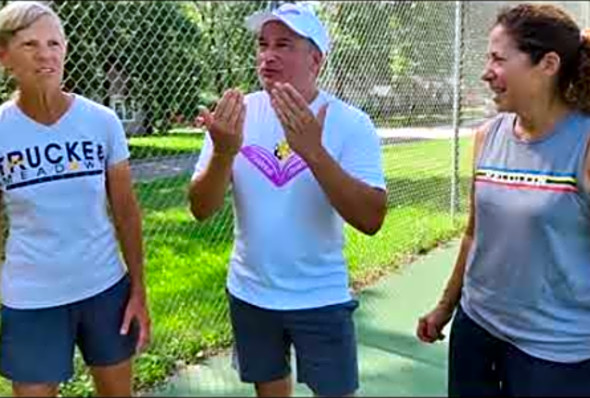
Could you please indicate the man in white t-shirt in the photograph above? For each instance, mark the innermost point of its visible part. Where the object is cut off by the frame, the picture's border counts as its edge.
(300, 163)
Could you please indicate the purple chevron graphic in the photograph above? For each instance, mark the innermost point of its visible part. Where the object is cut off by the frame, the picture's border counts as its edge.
(270, 166)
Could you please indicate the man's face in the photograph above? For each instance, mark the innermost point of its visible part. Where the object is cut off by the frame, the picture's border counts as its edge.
(284, 56)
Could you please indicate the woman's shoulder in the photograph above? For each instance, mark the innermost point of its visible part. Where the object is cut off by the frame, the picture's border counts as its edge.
(90, 106)
(7, 109)
(484, 132)
(491, 124)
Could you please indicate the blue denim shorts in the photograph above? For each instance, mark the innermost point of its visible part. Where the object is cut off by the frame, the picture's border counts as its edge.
(481, 365)
(37, 345)
(323, 338)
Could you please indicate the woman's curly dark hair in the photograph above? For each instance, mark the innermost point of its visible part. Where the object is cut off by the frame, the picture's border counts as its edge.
(538, 29)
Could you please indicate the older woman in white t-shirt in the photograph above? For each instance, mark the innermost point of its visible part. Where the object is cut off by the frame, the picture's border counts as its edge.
(63, 163)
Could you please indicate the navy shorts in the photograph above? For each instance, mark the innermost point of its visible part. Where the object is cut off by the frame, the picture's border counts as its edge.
(37, 345)
(483, 365)
(323, 338)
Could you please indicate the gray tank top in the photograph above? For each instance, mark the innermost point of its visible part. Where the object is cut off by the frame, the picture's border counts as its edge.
(527, 279)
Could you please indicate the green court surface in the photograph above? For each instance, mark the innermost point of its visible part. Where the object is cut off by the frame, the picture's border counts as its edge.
(392, 361)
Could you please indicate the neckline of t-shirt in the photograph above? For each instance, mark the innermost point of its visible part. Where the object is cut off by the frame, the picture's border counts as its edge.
(321, 97)
(62, 118)
(551, 133)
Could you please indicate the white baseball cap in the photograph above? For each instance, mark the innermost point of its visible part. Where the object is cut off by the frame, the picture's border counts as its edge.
(299, 17)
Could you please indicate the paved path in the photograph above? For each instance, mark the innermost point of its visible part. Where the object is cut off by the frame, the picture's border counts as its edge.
(392, 361)
(151, 169)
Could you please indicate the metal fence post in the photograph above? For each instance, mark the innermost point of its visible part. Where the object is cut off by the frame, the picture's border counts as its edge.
(586, 14)
(458, 44)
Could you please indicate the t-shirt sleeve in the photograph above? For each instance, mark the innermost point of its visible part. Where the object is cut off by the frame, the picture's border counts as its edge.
(205, 155)
(117, 149)
(361, 156)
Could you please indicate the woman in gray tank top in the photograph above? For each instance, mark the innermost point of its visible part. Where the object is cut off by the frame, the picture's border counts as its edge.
(521, 283)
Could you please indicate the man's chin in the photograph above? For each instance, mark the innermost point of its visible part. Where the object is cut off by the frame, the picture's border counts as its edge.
(268, 84)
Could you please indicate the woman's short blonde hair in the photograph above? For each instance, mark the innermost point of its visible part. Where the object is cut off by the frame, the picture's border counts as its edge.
(18, 15)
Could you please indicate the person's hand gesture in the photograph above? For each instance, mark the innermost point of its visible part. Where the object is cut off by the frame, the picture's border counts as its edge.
(226, 123)
(303, 130)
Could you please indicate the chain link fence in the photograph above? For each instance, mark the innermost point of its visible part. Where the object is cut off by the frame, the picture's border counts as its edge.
(414, 66)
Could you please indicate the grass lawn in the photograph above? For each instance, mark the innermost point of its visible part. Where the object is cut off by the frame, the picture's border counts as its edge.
(177, 142)
(187, 260)
(419, 195)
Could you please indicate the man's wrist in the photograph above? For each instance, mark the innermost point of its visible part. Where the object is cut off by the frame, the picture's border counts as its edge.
(316, 157)
(225, 155)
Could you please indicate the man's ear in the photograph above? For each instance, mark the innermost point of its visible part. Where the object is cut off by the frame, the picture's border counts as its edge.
(318, 60)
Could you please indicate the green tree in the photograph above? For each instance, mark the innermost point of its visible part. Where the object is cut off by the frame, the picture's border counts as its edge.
(395, 44)
(228, 48)
(170, 56)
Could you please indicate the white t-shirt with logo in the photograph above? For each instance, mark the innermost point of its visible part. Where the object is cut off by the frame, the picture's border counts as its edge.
(61, 245)
(288, 238)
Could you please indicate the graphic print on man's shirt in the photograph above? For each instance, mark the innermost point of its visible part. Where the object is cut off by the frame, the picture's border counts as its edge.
(54, 161)
(280, 166)
(527, 179)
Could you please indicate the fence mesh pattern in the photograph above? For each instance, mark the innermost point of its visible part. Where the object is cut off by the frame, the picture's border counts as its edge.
(155, 62)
